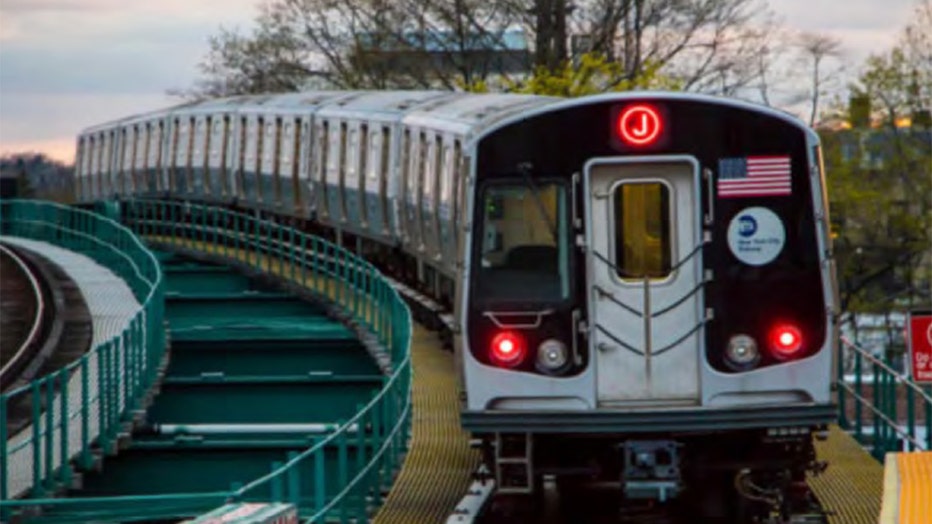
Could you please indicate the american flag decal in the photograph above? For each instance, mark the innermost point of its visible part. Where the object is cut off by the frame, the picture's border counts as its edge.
(754, 176)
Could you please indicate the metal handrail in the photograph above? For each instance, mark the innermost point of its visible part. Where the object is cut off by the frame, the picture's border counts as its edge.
(885, 381)
(885, 367)
(360, 291)
(120, 370)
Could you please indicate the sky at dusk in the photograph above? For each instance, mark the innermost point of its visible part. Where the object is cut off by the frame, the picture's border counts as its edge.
(69, 64)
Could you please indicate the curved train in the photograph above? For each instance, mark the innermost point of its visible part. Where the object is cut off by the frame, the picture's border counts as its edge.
(641, 284)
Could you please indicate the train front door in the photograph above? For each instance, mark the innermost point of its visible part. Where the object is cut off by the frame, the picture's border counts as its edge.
(645, 270)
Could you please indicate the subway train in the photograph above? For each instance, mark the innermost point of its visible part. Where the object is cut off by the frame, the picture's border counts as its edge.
(639, 287)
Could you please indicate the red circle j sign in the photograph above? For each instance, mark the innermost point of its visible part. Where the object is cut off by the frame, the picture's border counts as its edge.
(639, 125)
(920, 346)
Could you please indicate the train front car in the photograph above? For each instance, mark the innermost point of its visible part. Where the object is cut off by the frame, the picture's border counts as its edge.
(649, 301)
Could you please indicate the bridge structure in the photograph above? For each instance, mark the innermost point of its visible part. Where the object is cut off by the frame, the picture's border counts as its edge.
(243, 370)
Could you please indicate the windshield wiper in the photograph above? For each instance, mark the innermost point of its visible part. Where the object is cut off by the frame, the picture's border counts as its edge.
(525, 169)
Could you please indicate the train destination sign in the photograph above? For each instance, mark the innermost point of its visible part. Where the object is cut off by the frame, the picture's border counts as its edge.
(640, 125)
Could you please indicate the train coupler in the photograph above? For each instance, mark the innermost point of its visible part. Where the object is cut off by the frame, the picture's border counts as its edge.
(652, 469)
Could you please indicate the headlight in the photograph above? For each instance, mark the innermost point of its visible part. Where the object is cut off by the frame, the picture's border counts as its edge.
(552, 355)
(742, 352)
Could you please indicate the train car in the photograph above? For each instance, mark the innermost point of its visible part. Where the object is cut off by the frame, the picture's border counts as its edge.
(639, 286)
(649, 299)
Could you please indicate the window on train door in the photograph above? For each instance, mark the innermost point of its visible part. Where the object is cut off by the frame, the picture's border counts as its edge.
(642, 230)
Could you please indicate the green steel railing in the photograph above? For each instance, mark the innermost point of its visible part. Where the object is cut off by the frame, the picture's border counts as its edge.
(87, 401)
(377, 434)
(870, 400)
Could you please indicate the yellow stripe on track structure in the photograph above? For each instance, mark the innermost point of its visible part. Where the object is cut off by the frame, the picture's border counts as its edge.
(440, 463)
(852, 485)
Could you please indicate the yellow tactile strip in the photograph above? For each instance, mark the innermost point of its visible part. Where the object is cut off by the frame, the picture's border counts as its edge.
(852, 485)
(915, 471)
(438, 468)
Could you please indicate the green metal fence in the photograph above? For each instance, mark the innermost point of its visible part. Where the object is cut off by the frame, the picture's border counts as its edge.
(378, 432)
(874, 400)
(88, 400)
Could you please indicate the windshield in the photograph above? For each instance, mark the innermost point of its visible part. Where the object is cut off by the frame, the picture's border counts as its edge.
(524, 252)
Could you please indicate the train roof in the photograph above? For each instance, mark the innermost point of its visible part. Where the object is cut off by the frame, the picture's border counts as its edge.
(468, 114)
(475, 115)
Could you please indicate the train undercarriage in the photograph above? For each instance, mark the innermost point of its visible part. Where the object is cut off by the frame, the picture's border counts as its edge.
(750, 476)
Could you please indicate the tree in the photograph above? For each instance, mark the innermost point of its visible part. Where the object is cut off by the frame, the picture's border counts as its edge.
(880, 179)
(591, 74)
(712, 46)
(38, 176)
(704, 45)
(816, 49)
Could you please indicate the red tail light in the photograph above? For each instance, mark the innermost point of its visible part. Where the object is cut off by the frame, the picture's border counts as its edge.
(508, 349)
(786, 341)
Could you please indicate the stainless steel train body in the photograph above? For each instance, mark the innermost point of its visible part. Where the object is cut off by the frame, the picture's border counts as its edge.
(642, 282)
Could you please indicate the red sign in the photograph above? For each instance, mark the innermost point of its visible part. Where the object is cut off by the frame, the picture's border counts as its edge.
(920, 346)
(640, 125)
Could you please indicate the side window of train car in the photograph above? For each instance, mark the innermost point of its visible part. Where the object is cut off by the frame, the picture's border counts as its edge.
(129, 160)
(350, 161)
(407, 165)
(108, 163)
(446, 180)
(346, 141)
(101, 164)
(370, 184)
(423, 158)
(334, 153)
(436, 173)
(226, 137)
(291, 156)
(459, 180)
(304, 148)
(278, 167)
(173, 155)
(141, 155)
(642, 230)
(189, 153)
(383, 174)
(244, 147)
(261, 146)
(360, 185)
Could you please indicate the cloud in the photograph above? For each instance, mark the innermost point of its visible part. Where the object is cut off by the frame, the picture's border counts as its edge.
(37, 121)
(69, 64)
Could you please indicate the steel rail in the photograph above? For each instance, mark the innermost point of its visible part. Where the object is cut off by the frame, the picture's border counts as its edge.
(40, 311)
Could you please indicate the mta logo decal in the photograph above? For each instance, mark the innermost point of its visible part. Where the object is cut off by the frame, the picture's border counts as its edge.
(747, 226)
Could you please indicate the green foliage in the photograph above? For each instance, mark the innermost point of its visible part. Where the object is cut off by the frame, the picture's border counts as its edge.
(38, 176)
(880, 185)
(880, 178)
(592, 74)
